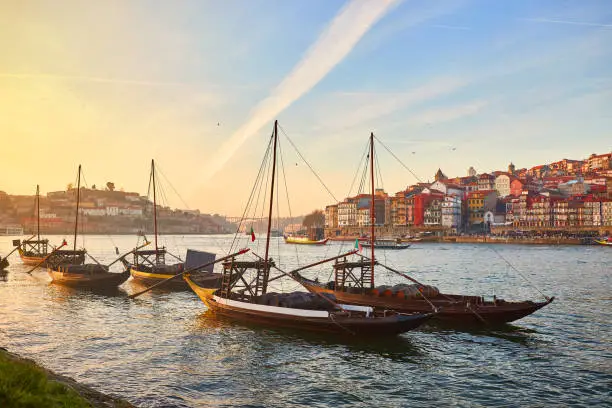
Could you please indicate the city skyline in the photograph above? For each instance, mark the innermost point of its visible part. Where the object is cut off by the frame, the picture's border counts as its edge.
(198, 85)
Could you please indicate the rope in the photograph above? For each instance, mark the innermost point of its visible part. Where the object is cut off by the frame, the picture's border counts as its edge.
(246, 208)
(307, 164)
(396, 158)
(519, 272)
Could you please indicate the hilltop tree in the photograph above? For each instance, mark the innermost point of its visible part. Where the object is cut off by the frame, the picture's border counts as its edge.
(314, 219)
(110, 186)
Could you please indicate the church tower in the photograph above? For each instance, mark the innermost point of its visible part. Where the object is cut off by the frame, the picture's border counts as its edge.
(440, 176)
(511, 168)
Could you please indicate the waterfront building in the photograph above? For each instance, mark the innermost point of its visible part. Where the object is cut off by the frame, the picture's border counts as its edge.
(451, 212)
(606, 212)
(347, 213)
(574, 188)
(502, 184)
(420, 202)
(440, 176)
(447, 187)
(598, 161)
(331, 216)
(433, 213)
(486, 182)
(478, 202)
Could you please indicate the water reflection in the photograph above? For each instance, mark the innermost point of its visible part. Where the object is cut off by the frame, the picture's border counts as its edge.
(164, 349)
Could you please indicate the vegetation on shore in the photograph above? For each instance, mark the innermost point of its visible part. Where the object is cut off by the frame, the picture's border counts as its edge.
(23, 384)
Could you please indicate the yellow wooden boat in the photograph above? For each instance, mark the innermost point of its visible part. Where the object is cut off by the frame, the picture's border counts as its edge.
(304, 241)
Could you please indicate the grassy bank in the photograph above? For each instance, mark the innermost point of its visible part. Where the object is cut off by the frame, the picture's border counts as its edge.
(25, 384)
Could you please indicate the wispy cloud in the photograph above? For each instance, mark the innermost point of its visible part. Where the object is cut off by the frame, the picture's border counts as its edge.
(568, 22)
(332, 46)
(450, 27)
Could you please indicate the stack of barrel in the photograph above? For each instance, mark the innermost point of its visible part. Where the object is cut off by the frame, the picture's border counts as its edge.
(403, 290)
(299, 300)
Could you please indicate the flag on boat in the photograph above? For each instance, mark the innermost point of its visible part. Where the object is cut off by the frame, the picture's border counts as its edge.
(358, 244)
(252, 234)
(64, 242)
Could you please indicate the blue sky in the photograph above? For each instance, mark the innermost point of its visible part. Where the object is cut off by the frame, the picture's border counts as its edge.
(112, 84)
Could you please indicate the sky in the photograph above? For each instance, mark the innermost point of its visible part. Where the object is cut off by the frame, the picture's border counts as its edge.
(196, 85)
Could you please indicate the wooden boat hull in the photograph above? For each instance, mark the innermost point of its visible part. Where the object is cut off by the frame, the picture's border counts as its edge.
(301, 241)
(206, 280)
(458, 310)
(31, 260)
(97, 280)
(308, 320)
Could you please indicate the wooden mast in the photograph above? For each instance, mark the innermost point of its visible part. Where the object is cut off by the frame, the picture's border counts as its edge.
(154, 206)
(266, 263)
(38, 214)
(76, 221)
(372, 207)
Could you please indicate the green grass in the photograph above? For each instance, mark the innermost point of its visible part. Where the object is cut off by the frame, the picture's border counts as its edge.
(23, 384)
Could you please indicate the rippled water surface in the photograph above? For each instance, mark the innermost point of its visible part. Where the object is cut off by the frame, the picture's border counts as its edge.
(162, 349)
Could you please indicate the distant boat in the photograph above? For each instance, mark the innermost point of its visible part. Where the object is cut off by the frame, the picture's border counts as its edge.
(304, 240)
(604, 241)
(382, 243)
(68, 267)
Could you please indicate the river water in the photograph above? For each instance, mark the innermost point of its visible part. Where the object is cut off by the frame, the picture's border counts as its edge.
(163, 350)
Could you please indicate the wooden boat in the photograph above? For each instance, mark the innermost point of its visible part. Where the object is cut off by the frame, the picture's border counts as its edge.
(34, 251)
(604, 241)
(354, 284)
(68, 267)
(304, 240)
(149, 266)
(380, 243)
(243, 295)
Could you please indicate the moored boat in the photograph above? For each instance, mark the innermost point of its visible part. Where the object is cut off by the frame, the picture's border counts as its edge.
(300, 240)
(149, 266)
(354, 283)
(68, 267)
(604, 241)
(386, 243)
(244, 295)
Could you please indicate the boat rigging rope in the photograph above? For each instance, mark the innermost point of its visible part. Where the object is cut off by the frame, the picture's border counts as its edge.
(307, 164)
(397, 158)
(282, 166)
(251, 195)
(519, 272)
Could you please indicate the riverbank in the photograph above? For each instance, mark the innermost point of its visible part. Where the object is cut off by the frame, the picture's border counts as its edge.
(23, 383)
(479, 239)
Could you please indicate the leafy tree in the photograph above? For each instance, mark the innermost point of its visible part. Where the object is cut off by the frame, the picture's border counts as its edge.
(110, 186)
(314, 219)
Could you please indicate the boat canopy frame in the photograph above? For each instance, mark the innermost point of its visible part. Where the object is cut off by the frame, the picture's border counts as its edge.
(353, 275)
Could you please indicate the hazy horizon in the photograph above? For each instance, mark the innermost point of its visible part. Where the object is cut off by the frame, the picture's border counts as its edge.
(196, 85)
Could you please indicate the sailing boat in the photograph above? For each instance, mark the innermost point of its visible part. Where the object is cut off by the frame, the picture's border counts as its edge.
(35, 251)
(246, 298)
(150, 267)
(68, 267)
(354, 284)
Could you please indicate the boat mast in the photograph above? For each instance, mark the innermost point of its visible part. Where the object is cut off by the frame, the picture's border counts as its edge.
(38, 212)
(372, 261)
(154, 205)
(76, 221)
(265, 283)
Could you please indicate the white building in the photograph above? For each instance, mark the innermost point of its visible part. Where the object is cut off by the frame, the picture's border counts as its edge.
(502, 185)
(451, 211)
(606, 213)
(136, 211)
(347, 213)
(94, 212)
